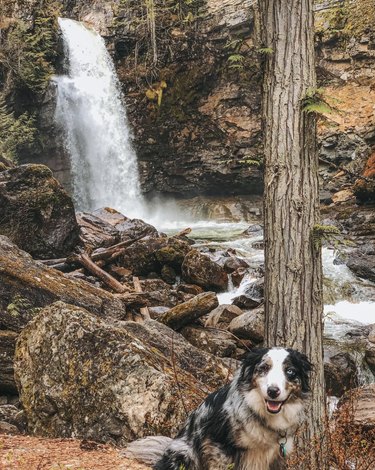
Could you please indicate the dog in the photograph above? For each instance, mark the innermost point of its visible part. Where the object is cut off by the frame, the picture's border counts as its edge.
(248, 424)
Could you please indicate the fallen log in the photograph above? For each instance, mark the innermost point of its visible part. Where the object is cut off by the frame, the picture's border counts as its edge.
(107, 255)
(52, 262)
(30, 284)
(101, 254)
(94, 269)
(189, 311)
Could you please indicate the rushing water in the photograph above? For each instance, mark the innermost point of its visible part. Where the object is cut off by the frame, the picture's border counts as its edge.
(91, 113)
(104, 172)
(349, 302)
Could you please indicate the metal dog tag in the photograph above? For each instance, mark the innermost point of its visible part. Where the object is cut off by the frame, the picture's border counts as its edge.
(282, 450)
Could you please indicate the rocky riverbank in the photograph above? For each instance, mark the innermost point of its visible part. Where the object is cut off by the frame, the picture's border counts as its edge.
(130, 317)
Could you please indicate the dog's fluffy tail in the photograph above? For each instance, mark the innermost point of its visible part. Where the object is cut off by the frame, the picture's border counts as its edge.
(148, 450)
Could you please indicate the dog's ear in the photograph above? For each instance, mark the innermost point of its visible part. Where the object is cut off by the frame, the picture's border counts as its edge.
(251, 360)
(303, 366)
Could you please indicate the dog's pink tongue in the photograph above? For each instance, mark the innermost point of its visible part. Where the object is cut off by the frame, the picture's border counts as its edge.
(274, 405)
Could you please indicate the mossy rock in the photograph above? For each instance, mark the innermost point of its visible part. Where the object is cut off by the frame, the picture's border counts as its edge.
(36, 213)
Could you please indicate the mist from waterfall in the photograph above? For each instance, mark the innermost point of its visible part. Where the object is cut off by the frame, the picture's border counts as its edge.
(91, 113)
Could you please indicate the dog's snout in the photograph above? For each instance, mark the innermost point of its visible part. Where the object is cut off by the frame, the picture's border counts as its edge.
(273, 392)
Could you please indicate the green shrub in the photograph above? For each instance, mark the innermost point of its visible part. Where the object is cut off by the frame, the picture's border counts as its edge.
(14, 132)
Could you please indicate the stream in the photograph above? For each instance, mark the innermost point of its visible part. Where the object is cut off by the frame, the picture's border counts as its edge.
(349, 301)
(91, 113)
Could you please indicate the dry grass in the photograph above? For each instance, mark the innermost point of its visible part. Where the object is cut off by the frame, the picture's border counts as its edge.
(349, 446)
(32, 453)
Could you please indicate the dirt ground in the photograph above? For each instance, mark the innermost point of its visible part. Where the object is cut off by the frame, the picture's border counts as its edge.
(32, 453)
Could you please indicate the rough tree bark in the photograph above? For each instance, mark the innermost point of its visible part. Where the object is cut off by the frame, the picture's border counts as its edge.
(293, 281)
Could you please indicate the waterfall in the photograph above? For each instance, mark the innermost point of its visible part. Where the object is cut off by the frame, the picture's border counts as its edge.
(91, 113)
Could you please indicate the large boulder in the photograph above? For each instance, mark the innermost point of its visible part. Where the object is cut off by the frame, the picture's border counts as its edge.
(108, 382)
(105, 227)
(27, 285)
(127, 228)
(96, 232)
(36, 213)
(199, 269)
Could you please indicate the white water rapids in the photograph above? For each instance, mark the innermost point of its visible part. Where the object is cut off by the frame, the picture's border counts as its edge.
(91, 113)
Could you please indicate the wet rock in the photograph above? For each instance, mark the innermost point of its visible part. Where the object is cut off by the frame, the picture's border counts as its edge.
(222, 315)
(198, 268)
(253, 295)
(255, 290)
(245, 302)
(362, 263)
(217, 342)
(237, 276)
(173, 254)
(96, 232)
(27, 285)
(36, 213)
(168, 274)
(254, 230)
(340, 372)
(150, 254)
(189, 289)
(7, 348)
(249, 325)
(159, 293)
(125, 392)
(233, 263)
(128, 228)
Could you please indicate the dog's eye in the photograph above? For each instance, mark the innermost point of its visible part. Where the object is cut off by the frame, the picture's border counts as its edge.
(291, 374)
(263, 369)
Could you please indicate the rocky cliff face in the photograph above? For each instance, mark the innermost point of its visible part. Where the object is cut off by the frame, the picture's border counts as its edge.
(191, 76)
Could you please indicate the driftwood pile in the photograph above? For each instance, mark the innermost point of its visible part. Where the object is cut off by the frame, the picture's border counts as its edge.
(95, 263)
(101, 263)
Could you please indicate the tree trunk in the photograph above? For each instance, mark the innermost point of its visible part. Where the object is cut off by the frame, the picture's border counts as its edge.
(293, 281)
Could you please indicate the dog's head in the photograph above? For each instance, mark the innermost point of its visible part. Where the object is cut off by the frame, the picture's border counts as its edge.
(277, 376)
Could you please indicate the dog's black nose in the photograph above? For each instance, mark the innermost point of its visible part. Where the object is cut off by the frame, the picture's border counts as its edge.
(273, 392)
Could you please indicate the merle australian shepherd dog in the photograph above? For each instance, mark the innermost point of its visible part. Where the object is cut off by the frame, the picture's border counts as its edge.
(249, 424)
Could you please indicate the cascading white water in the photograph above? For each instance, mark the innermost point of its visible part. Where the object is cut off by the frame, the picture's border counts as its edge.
(90, 111)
